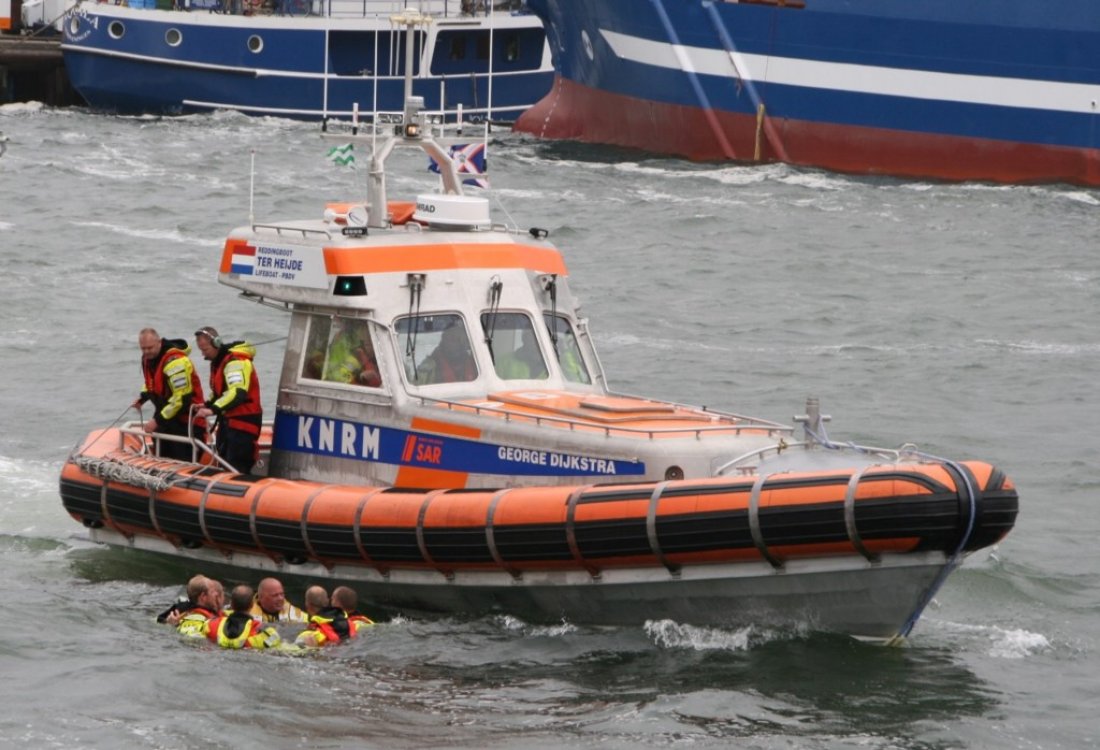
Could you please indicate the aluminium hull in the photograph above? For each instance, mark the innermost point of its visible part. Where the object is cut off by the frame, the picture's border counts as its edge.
(858, 551)
(878, 601)
(1003, 90)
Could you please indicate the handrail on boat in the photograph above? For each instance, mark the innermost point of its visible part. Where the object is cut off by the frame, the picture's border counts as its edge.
(197, 446)
(890, 454)
(750, 423)
(304, 231)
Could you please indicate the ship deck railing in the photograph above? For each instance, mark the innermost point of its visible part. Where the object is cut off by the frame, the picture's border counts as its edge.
(331, 8)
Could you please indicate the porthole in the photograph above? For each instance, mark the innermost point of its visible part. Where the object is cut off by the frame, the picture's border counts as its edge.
(255, 44)
(173, 37)
(116, 29)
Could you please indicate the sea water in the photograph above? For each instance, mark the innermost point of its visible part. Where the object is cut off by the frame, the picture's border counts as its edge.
(964, 318)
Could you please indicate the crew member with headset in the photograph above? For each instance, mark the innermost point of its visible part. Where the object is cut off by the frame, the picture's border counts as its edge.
(234, 398)
(172, 385)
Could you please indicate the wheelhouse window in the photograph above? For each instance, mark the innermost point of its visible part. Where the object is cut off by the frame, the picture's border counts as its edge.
(566, 349)
(339, 350)
(514, 347)
(435, 349)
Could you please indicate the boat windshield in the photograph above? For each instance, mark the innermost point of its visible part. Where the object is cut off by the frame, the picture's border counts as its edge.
(514, 346)
(567, 349)
(435, 349)
(340, 350)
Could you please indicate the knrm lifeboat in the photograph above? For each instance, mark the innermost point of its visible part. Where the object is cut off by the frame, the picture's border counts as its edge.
(470, 458)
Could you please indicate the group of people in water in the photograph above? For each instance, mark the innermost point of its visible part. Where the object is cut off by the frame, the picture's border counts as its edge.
(249, 618)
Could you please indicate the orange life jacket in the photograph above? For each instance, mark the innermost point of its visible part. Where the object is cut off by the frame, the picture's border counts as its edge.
(246, 416)
(156, 385)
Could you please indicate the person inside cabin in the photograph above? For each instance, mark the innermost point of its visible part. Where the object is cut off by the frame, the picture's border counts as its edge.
(567, 350)
(270, 604)
(209, 604)
(237, 628)
(351, 356)
(525, 362)
(345, 598)
(328, 625)
(452, 361)
(234, 398)
(171, 383)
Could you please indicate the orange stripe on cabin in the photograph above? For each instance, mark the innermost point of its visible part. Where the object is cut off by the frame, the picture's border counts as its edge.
(231, 244)
(360, 260)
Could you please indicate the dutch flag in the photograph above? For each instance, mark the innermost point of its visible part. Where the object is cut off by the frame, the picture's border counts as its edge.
(470, 159)
(244, 260)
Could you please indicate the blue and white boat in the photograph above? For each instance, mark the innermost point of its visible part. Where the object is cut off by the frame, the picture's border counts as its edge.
(303, 59)
(1003, 90)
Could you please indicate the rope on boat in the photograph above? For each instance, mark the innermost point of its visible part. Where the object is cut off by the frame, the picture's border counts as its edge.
(113, 470)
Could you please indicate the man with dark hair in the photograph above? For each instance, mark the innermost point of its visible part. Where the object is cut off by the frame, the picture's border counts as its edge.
(345, 598)
(172, 385)
(234, 398)
(238, 629)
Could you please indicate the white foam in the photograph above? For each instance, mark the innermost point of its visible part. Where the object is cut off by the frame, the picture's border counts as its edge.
(19, 108)
(1017, 644)
(508, 622)
(1004, 643)
(670, 634)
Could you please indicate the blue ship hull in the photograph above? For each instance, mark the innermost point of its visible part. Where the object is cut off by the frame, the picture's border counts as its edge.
(131, 61)
(1002, 90)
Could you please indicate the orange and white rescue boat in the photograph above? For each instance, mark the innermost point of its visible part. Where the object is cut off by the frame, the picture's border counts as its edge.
(445, 440)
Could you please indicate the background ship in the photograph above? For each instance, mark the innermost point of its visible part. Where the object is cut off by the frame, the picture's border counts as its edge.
(1005, 90)
(299, 59)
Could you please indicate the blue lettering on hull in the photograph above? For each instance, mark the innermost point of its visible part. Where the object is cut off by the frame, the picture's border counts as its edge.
(322, 436)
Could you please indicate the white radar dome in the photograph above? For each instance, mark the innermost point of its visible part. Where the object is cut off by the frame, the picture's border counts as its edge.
(452, 211)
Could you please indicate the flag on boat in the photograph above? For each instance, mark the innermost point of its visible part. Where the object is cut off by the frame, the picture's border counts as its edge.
(342, 156)
(469, 159)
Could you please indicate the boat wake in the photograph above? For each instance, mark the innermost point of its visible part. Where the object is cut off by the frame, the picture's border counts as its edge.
(996, 641)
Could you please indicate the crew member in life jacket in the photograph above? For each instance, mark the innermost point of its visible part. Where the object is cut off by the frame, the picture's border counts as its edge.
(172, 385)
(237, 628)
(234, 398)
(451, 361)
(270, 604)
(328, 625)
(351, 356)
(195, 589)
(208, 605)
(346, 599)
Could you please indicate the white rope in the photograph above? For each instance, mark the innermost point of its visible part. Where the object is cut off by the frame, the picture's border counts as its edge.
(113, 470)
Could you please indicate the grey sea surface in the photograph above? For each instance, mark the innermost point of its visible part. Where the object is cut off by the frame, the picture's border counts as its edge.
(962, 318)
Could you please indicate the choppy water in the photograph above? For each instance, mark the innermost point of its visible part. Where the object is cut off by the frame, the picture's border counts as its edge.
(961, 317)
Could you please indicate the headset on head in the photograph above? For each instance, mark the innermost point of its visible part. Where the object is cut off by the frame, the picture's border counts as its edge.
(211, 334)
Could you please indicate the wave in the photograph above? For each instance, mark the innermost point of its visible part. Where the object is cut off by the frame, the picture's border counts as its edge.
(998, 642)
(669, 634)
(150, 234)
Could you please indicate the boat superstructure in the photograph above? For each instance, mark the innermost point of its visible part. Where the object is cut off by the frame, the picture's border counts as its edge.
(303, 60)
(445, 439)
